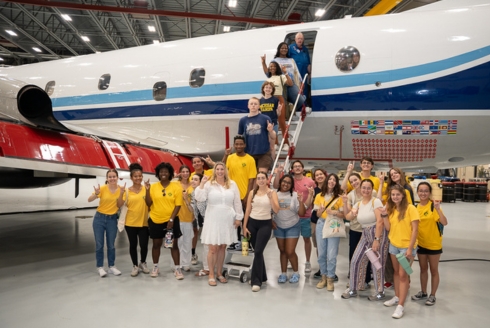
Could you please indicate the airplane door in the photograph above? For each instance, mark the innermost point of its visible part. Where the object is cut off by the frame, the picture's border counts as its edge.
(309, 43)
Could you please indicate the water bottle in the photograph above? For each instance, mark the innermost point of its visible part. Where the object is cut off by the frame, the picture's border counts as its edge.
(169, 239)
(371, 255)
(244, 246)
(404, 263)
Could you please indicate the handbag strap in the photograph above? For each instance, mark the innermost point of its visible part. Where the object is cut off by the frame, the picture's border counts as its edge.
(127, 196)
(326, 207)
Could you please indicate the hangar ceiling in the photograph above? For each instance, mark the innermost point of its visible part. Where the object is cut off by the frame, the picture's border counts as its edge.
(39, 30)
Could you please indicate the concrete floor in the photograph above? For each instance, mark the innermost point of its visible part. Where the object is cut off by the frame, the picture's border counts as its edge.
(48, 279)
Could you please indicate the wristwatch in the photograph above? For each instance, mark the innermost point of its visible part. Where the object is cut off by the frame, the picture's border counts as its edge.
(376, 238)
(171, 220)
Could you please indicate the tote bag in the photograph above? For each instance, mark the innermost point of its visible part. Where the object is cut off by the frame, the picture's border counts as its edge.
(334, 227)
(122, 214)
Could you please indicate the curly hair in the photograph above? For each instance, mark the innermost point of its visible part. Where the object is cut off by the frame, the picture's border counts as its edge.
(164, 165)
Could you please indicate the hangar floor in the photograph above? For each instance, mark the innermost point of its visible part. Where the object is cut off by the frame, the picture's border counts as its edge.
(48, 279)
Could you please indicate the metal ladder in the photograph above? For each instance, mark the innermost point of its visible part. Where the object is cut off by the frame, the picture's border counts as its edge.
(110, 146)
(295, 134)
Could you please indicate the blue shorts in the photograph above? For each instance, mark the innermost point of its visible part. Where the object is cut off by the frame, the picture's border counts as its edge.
(291, 232)
(395, 250)
(305, 227)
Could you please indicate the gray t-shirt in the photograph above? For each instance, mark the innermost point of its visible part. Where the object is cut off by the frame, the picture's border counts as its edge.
(288, 210)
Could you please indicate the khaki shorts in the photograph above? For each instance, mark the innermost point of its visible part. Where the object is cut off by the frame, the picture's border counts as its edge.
(263, 160)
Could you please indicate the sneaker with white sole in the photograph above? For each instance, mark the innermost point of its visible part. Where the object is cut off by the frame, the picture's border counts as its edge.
(392, 302)
(143, 267)
(294, 278)
(186, 269)
(398, 312)
(102, 272)
(419, 296)
(285, 147)
(307, 267)
(282, 278)
(114, 271)
(178, 274)
(349, 293)
(431, 300)
(135, 271)
(255, 288)
(194, 259)
(377, 297)
(154, 272)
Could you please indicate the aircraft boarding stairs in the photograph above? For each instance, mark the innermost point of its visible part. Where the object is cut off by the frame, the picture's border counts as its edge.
(293, 128)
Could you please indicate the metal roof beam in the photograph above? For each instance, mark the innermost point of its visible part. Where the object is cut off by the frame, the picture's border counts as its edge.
(131, 26)
(289, 10)
(401, 6)
(253, 12)
(158, 24)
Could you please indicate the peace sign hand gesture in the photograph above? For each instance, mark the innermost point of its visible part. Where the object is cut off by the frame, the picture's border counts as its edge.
(147, 184)
(122, 188)
(97, 190)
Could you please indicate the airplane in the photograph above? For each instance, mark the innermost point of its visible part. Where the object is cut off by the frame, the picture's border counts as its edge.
(410, 90)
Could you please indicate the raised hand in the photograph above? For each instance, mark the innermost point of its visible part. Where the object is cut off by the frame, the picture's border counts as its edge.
(300, 197)
(204, 180)
(228, 151)
(351, 166)
(284, 69)
(97, 189)
(263, 58)
(381, 177)
(383, 210)
(311, 191)
(147, 184)
(270, 126)
(437, 204)
(123, 188)
(345, 198)
(269, 193)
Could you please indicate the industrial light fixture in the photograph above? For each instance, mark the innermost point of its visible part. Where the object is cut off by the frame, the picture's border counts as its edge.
(226, 28)
(66, 17)
(320, 12)
(85, 38)
(36, 49)
(151, 28)
(156, 41)
(232, 3)
(12, 33)
(1, 59)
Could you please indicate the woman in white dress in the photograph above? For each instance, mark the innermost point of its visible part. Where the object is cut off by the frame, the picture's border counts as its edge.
(224, 214)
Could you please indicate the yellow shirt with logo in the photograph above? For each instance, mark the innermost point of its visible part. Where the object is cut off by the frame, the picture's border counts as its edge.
(336, 205)
(429, 236)
(374, 179)
(137, 215)
(401, 230)
(186, 215)
(162, 207)
(240, 170)
(208, 173)
(108, 200)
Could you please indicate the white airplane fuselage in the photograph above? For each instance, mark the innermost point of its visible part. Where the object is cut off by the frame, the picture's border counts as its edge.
(419, 97)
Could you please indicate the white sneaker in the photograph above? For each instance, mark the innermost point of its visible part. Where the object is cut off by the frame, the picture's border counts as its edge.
(392, 302)
(255, 288)
(143, 267)
(194, 259)
(114, 271)
(135, 271)
(102, 272)
(154, 272)
(285, 147)
(308, 110)
(186, 269)
(178, 274)
(307, 267)
(398, 312)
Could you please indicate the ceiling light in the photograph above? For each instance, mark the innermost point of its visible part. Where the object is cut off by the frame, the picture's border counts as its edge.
(226, 28)
(156, 41)
(1, 59)
(85, 38)
(232, 3)
(37, 49)
(320, 12)
(66, 17)
(11, 32)
(151, 28)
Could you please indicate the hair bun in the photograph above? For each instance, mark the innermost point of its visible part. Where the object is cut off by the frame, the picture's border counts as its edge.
(135, 166)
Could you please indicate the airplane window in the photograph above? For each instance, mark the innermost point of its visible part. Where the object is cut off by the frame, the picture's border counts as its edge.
(50, 87)
(160, 91)
(196, 80)
(347, 59)
(104, 81)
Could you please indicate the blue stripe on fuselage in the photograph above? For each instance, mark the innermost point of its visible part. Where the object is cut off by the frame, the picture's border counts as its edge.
(468, 89)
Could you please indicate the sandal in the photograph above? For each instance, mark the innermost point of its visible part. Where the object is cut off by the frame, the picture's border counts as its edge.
(202, 273)
(212, 282)
(222, 280)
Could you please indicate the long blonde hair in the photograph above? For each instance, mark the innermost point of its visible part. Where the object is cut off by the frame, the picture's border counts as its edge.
(391, 206)
(213, 177)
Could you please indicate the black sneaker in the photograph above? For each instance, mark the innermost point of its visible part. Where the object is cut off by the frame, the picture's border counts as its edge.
(232, 246)
(419, 296)
(317, 275)
(431, 300)
(336, 278)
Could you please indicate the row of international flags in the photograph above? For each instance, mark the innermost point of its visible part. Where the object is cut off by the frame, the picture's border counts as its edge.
(404, 127)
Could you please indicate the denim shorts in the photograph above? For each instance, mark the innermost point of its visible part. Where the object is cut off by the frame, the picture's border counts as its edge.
(291, 232)
(395, 250)
(305, 227)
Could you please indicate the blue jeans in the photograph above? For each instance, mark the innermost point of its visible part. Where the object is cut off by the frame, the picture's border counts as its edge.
(293, 92)
(105, 226)
(328, 249)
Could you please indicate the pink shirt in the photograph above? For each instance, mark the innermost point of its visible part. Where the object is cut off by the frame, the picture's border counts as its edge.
(301, 187)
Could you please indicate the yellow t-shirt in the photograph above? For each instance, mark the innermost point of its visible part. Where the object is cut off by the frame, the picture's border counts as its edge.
(186, 215)
(240, 170)
(208, 173)
(137, 215)
(384, 197)
(401, 230)
(108, 200)
(163, 206)
(374, 179)
(429, 236)
(324, 200)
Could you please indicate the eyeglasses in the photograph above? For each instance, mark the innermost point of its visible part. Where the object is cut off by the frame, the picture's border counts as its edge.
(163, 192)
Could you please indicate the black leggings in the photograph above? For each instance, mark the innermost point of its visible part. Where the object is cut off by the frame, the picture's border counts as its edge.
(261, 233)
(133, 234)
